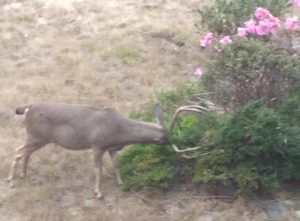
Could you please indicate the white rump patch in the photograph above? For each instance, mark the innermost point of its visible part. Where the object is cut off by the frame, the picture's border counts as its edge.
(21, 118)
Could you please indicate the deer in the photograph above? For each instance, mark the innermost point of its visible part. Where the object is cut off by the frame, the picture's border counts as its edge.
(102, 129)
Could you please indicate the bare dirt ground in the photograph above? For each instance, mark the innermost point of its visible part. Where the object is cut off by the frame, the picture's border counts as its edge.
(117, 53)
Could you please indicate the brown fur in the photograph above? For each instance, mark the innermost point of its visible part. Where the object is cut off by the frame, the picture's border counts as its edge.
(81, 127)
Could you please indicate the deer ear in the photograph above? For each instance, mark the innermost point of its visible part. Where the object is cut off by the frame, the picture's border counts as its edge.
(159, 115)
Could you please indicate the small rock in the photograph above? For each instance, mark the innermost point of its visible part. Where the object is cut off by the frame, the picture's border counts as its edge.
(275, 210)
(69, 82)
(297, 213)
(122, 25)
(179, 43)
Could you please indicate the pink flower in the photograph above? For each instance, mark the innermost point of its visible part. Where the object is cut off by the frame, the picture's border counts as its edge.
(226, 40)
(198, 72)
(292, 23)
(262, 28)
(262, 13)
(242, 32)
(207, 39)
(209, 36)
(204, 43)
(273, 23)
(250, 26)
(296, 2)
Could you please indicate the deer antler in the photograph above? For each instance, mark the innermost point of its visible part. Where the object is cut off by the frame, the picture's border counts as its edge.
(189, 108)
(192, 108)
(183, 154)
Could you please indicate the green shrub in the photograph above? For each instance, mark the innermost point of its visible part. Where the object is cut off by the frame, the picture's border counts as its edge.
(197, 130)
(153, 166)
(258, 148)
(250, 70)
(258, 151)
(290, 114)
(149, 166)
(224, 16)
(290, 110)
(160, 167)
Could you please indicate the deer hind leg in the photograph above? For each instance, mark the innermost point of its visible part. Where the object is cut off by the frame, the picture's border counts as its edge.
(26, 157)
(114, 157)
(12, 173)
(98, 154)
(23, 152)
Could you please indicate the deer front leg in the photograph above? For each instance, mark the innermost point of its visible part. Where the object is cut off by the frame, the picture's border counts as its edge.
(98, 183)
(98, 154)
(13, 168)
(114, 158)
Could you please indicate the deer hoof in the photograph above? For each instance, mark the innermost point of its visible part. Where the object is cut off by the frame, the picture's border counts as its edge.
(99, 196)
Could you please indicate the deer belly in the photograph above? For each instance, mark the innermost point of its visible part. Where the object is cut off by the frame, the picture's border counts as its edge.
(69, 138)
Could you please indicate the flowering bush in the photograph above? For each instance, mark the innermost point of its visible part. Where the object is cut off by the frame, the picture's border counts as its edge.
(257, 147)
(250, 70)
(264, 24)
(253, 76)
(224, 16)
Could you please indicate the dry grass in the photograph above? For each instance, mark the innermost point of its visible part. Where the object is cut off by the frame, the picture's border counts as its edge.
(97, 53)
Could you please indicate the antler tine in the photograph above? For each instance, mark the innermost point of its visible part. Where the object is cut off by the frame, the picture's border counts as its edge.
(182, 152)
(198, 107)
(185, 150)
(192, 108)
(191, 157)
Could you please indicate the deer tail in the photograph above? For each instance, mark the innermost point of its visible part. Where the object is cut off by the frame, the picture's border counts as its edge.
(22, 110)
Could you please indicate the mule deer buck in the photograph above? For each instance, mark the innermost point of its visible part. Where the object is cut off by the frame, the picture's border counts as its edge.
(82, 127)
